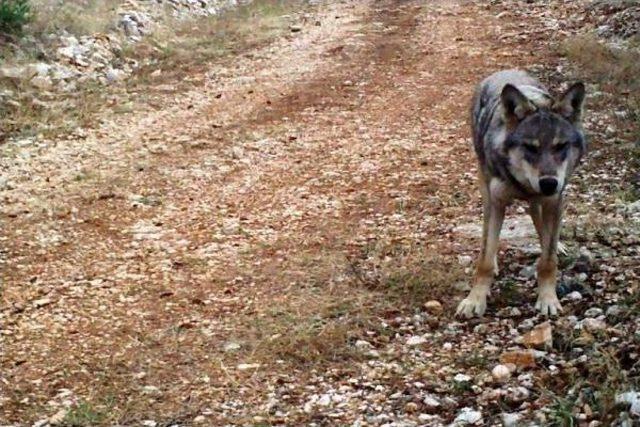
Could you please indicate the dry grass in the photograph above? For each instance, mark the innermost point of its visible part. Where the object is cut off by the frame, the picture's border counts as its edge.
(183, 47)
(405, 274)
(78, 17)
(616, 70)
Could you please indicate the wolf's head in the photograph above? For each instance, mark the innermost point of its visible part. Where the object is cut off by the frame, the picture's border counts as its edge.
(543, 144)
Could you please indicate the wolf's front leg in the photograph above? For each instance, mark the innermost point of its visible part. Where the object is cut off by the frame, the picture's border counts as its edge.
(548, 302)
(476, 302)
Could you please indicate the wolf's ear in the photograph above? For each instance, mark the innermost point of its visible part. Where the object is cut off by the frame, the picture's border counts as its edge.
(570, 104)
(516, 105)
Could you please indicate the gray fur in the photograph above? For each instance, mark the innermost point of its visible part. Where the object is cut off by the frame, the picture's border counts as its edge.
(527, 145)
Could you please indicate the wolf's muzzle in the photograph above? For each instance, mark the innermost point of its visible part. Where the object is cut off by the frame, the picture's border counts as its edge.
(548, 185)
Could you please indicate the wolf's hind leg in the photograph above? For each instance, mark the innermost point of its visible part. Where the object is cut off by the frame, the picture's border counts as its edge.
(476, 302)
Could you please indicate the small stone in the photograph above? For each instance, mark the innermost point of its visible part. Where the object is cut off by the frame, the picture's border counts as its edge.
(247, 366)
(615, 310)
(518, 394)
(447, 346)
(295, 28)
(465, 260)
(325, 400)
(593, 312)
(416, 340)
(528, 272)
(631, 398)
(433, 307)
(593, 325)
(467, 416)
(411, 407)
(500, 373)
(42, 302)
(231, 347)
(540, 337)
(58, 418)
(431, 402)
(462, 378)
(520, 358)
(149, 423)
(150, 389)
(200, 419)
(510, 420)
(573, 296)
(363, 345)
(42, 82)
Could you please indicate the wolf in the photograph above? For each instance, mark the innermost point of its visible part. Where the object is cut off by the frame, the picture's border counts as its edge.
(527, 143)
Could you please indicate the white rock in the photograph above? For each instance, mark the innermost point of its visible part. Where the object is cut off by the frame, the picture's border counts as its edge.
(573, 296)
(149, 423)
(510, 420)
(247, 366)
(431, 402)
(42, 82)
(325, 400)
(12, 72)
(593, 312)
(593, 325)
(416, 340)
(150, 389)
(200, 419)
(631, 398)
(363, 345)
(501, 373)
(58, 418)
(38, 69)
(231, 346)
(465, 260)
(462, 378)
(467, 416)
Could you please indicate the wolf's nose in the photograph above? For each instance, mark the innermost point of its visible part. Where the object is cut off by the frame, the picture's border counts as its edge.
(548, 186)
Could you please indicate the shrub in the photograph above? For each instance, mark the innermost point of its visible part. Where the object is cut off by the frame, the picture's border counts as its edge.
(13, 15)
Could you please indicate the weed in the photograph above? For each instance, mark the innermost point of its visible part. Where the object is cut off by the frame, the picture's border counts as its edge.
(14, 14)
(84, 414)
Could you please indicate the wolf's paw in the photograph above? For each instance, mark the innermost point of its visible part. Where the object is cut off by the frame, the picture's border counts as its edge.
(472, 305)
(548, 305)
(563, 249)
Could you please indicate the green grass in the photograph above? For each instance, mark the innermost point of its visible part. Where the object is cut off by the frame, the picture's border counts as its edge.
(85, 414)
(14, 15)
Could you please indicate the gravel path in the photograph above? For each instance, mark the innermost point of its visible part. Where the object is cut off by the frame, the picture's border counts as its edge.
(285, 245)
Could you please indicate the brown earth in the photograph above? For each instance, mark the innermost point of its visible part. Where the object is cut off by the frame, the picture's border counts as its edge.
(271, 207)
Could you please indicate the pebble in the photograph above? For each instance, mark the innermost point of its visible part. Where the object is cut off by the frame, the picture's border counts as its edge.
(540, 337)
(500, 373)
(520, 358)
(510, 420)
(593, 312)
(58, 418)
(462, 378)
(573, 296)
(416, 340)
(433, 307)
(231, 347)
(467, 416)
(593, 325)
(247, 366)
(431, 402)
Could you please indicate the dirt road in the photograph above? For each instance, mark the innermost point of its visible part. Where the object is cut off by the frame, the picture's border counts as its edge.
(258, 250)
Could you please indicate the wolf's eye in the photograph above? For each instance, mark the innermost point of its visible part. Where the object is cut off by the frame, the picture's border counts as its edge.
(532, 149)
(561, 147)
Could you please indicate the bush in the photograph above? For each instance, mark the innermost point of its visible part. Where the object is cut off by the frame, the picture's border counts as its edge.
(13, 15)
